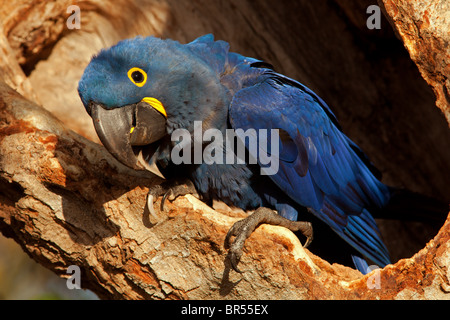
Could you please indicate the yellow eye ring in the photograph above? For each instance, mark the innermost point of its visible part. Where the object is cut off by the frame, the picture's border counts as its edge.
(137, 76)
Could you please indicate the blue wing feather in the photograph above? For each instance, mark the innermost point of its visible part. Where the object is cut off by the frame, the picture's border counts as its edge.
(318, 165)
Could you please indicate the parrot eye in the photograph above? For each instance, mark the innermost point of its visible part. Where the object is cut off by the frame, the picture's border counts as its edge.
(137, 76)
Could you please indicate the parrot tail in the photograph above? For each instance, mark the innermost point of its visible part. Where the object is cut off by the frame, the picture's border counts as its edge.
(407, 205)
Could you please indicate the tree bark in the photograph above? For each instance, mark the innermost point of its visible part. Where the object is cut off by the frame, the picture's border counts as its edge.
(66, 201)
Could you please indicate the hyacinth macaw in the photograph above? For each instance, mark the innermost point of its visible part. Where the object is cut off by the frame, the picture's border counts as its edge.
(140, 91)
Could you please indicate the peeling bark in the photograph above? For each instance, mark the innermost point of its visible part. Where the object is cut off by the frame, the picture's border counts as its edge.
(66, 201)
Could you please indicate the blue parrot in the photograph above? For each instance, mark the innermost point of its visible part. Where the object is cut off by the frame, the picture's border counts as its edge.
(142, 90)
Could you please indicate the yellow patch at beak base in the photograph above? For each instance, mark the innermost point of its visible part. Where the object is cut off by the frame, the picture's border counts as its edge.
(155, 103)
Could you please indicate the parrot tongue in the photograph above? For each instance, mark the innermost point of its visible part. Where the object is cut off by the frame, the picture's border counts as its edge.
(131, 133)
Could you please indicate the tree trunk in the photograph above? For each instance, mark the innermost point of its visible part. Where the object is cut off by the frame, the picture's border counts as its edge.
(66, 201)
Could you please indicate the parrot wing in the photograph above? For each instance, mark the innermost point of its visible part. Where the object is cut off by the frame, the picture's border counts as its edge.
(319, 167)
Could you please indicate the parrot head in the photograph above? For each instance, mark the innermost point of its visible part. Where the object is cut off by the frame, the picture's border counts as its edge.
(140, 90)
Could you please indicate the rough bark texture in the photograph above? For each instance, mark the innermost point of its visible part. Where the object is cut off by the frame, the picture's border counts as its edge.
(424, 29)
(66, 201)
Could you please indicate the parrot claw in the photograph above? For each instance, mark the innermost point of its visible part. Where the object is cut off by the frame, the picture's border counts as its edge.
(168, 190)
(242, 229)
(151, 209)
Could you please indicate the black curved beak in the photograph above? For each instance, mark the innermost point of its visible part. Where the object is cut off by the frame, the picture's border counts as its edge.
(130, 133)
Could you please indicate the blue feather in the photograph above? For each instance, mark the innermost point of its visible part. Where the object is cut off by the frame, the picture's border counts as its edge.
(327, 176)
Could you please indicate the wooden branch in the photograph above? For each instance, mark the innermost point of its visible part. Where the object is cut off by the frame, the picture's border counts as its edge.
(66, 201)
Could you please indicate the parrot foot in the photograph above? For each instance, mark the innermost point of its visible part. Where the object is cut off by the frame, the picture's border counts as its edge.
(168, 190)
(244, 228)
